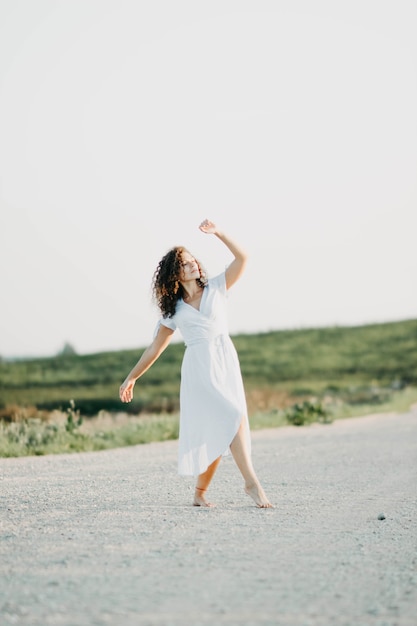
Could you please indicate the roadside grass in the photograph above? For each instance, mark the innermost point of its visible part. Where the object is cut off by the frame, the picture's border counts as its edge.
(68, 432)
(334, 409)
(36, 437)
(396, 402)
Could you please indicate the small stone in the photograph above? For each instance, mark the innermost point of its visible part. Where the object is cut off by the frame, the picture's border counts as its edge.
(381, 516)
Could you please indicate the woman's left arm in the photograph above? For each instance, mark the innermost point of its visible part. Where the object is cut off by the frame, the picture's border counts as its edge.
(237, 266)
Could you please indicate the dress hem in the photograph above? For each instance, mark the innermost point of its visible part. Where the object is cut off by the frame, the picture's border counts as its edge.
(226, 453)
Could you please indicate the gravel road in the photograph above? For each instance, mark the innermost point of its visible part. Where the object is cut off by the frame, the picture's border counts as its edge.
(110, 538)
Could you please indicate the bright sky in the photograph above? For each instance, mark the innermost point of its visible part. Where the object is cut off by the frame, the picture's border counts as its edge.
(124, 123)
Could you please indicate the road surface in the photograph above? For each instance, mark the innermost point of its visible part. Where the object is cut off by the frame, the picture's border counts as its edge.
(111, 538)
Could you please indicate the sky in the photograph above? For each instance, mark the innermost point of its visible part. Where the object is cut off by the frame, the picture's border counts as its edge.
(125, 123)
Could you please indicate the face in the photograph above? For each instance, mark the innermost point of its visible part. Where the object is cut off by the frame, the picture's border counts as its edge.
(189, 267)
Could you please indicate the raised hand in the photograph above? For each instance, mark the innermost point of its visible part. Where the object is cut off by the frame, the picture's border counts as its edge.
(208, 227)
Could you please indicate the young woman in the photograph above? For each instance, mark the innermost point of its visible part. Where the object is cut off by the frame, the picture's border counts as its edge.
(213, 413)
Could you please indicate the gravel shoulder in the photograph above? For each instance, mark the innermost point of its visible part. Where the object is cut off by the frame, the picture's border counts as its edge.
(110, 538)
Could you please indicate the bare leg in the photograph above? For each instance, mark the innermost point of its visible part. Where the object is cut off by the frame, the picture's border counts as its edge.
(243, 460)
(203, 482)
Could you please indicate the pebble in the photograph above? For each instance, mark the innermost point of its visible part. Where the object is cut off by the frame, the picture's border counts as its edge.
(381, 516)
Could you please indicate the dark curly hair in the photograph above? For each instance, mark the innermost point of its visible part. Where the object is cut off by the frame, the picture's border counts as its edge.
(166, 286)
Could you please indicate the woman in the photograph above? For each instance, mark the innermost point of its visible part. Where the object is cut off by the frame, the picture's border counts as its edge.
(213, 413)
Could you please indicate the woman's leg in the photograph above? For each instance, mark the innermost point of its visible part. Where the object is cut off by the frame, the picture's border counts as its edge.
(203, 482)
(243, 460)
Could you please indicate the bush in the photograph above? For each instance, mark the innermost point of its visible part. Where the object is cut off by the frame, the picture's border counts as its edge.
(307, 412)
(74, 419)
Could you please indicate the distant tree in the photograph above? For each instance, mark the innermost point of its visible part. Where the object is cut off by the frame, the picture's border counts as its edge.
(67, 350)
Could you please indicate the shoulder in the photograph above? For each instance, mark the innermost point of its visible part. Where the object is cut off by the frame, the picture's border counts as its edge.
(218, 282)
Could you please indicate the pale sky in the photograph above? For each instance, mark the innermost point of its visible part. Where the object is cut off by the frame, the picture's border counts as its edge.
(124, 123)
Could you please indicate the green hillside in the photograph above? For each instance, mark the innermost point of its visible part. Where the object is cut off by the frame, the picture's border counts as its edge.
(358, 364)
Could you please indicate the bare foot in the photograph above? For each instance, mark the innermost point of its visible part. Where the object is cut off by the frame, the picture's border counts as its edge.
(258, 495)
(199, 498)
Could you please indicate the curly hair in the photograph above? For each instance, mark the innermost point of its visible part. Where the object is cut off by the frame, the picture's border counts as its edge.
(166, 286)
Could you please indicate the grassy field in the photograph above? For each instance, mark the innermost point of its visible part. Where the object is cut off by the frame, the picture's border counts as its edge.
(293, 376)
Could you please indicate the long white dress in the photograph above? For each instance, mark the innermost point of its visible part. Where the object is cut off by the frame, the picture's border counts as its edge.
(212, 396)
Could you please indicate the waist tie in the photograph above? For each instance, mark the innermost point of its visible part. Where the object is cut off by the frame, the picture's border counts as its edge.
(217, 340)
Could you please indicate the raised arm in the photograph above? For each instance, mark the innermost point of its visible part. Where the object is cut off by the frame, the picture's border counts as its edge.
(152, 352)
(236, 267)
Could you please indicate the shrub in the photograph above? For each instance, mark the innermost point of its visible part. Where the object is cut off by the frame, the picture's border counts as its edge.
(74, 419)
(307, 412)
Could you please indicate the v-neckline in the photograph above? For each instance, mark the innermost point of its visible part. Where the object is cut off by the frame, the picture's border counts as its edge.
(201, 302)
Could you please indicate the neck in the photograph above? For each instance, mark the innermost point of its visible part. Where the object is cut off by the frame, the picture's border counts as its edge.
(191, 289)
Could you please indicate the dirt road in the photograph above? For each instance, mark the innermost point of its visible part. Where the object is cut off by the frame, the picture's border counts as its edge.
(110, 538)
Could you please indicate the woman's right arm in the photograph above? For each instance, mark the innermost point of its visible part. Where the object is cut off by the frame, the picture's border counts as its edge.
(149, 357)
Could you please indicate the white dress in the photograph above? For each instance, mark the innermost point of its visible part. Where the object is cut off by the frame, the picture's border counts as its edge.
(212, 397)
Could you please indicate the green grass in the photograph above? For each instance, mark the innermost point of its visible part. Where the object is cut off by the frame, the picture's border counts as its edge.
(295, 362)
(37, 437)
(396, 402)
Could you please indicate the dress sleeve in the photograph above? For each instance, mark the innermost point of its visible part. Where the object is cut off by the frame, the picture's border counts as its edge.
(219, 282)
(164, 321)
